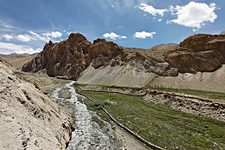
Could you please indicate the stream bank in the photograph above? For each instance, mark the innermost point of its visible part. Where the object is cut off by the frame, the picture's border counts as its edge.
(87, 134)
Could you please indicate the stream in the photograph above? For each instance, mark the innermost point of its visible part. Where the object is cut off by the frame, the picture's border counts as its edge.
(87, 134)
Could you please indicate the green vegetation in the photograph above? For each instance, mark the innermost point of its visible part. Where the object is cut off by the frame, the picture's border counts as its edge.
(159, 124)
(106, 86)
(98, 121)
(200, 93)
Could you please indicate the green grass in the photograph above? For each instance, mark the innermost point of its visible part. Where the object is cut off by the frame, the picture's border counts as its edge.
(200, 93)
(161, 125)
(107, 86)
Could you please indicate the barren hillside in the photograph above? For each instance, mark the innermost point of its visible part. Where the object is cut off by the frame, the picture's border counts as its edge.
(29, 119)
(104, 62)
(18, 60)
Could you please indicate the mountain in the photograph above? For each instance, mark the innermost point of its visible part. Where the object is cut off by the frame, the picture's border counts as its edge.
(29, 119)
(222, 33)
(104, 62)
(74, 55)
(18, 60)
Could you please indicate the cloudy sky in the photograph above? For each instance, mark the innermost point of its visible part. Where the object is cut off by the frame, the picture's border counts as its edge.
(26, 25)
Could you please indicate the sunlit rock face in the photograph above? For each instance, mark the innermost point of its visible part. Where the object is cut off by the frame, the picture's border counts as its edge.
(199, 53)
(69, 58)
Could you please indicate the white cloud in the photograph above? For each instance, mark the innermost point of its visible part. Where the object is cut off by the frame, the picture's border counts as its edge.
(44, 37)
(54, 35)
(151, 10)
(113, 36)
(37, 37)
(7, 48)
(159, 20)
(8, 26)
(123, 37)
(144, 35)
(24, 37)
(194, 14)
(7, 37)
(5, 26)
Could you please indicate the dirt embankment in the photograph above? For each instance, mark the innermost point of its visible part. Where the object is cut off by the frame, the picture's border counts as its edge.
(185, 103)
(28, 118)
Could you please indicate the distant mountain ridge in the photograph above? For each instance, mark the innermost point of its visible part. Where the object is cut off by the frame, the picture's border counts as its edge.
(18, 60)
(222, 33)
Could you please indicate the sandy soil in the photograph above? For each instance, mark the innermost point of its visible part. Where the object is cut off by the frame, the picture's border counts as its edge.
(126, 76)
(29, 119)
(210, 81)
(18, 60)
(41, 81)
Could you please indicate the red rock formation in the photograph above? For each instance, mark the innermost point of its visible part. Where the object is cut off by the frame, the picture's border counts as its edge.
(202, 52)
(69, 58)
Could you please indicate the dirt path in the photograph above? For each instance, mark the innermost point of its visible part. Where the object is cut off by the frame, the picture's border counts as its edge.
(128, 141)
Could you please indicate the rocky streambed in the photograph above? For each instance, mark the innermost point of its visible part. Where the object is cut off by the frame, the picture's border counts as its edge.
(87, 134)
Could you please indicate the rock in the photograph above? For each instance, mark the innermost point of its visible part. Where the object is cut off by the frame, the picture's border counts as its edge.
(72, 56)
(197, 53)
(28, 118)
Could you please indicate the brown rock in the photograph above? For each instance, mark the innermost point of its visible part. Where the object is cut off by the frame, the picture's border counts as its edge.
(198, 53)
(72, 56)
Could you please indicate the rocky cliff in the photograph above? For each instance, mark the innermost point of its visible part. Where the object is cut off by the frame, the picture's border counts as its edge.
(75, 57)
(199, 53)
(72, 56)
(28, 118)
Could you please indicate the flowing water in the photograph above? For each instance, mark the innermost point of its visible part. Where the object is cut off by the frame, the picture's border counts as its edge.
(87, 134)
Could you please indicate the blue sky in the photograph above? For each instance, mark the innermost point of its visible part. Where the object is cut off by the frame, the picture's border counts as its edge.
(26, 25)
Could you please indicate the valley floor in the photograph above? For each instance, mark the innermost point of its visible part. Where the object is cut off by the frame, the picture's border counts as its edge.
(160, 124)
(157, 123)
(48, 84)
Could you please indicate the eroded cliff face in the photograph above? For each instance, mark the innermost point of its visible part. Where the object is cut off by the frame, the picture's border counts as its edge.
(198, 53)
(71, 57)
(28, 118)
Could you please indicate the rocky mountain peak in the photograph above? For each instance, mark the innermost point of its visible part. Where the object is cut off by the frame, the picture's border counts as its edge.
(99, 41)
(199, 42)
(76, 37)
(197, 53)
